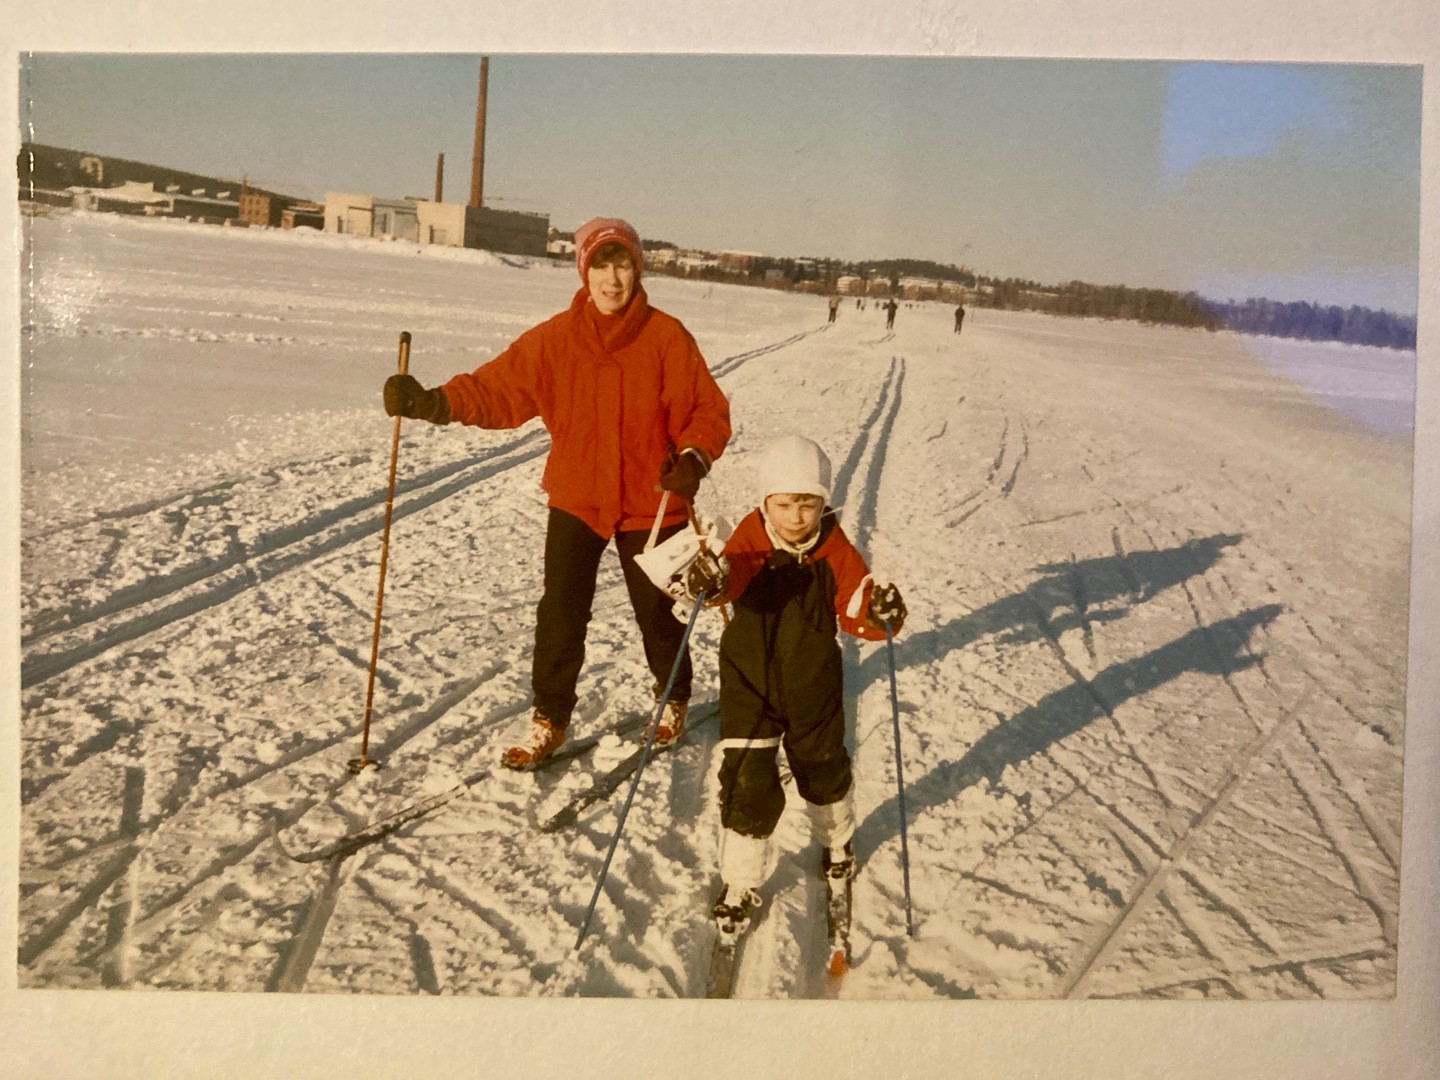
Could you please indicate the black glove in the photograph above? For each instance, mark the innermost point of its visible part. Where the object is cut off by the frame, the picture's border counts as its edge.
(886, 608)
(705, 576)
(681, 475)
(404, 396)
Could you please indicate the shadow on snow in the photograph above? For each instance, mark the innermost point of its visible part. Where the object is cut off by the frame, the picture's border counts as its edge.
(1218, 649)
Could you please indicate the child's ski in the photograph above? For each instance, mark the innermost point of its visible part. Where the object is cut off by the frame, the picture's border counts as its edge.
(378, 830)
(837, 924)
(732, 922)
(723, 957)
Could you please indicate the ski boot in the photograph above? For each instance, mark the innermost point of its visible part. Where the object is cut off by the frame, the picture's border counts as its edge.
(672, 723)
(733, 918)
(542, 740)
(839, 867)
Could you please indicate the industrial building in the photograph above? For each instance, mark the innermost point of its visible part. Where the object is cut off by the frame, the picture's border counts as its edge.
(133, 197)
(422, 221)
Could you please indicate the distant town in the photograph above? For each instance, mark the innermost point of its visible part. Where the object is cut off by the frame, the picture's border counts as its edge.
(54, 177)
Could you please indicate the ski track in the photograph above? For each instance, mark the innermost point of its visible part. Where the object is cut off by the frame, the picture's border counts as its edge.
(1086, 850)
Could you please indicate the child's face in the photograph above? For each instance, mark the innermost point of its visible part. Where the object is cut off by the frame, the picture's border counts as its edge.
(794, 517)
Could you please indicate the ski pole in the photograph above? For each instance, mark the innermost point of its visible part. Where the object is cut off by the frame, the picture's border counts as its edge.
(644, 757)
(363, 762)
(900, 778)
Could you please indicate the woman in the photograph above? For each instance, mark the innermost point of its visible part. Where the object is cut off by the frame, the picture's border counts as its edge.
(629, 404)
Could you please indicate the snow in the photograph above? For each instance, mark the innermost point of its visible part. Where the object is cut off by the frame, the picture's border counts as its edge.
(1151, 690)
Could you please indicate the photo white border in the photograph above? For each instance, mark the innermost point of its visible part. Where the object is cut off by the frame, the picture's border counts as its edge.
(58, 1034)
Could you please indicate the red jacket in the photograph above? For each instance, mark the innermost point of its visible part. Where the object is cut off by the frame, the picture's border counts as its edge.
(615, 393)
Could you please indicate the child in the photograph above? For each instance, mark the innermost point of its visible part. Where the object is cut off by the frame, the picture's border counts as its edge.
(794, 580)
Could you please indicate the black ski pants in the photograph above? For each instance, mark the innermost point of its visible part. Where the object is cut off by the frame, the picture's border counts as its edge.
(572, 561)
(751, 734)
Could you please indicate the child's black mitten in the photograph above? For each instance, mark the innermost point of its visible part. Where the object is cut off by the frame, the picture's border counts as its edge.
(886, 608)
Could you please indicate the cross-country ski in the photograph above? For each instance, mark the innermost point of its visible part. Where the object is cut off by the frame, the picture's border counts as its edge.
(605, 784)
(734, 913)
(839, 878)
(385, 826)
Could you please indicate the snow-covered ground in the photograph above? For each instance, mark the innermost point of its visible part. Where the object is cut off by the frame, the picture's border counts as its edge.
(1151, 691)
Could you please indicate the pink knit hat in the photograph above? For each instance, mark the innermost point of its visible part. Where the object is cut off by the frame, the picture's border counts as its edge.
(599, 231)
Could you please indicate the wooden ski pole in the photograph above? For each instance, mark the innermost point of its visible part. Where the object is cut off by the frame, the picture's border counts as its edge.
(364, 761)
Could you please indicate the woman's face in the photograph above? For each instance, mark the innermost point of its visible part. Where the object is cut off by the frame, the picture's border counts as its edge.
(611, 280)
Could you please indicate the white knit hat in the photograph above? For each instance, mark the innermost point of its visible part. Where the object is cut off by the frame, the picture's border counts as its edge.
(792, 465)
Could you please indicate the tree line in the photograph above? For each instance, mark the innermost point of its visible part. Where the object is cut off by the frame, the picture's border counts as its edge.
(1300, 319)
(1313, 322)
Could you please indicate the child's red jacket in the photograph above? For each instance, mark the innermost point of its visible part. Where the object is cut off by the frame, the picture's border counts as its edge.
(779, 658)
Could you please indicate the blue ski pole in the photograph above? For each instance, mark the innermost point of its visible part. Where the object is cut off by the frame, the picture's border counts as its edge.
(900, 778)
(644, 757)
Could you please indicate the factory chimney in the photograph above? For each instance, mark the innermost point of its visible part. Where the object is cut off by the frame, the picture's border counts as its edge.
(477, 165)
(440, 177)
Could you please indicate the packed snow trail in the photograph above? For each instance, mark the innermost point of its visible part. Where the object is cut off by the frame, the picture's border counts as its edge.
(1150, 687)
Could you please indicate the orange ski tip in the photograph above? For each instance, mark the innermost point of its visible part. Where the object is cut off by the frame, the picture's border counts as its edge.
(837, 965)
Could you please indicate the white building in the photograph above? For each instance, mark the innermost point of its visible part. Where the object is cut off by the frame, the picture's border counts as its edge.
(422, 221)
(134, 197)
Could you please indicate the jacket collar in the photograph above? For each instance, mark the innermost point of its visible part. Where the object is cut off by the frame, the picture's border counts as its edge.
(609, 333)
(806, 546)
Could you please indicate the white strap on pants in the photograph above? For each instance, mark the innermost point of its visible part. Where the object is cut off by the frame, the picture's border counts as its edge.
(834, 823)
(742, 860)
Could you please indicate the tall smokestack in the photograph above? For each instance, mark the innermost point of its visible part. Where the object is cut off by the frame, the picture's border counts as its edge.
(477, 164)
(440, 178)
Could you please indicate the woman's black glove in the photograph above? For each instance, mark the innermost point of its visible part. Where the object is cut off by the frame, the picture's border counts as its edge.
(681, 475)
(404, 396)
(886, 608)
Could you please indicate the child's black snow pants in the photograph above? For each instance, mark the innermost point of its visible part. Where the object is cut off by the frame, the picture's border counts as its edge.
(572, 560)
(781, 684)
(751, 796)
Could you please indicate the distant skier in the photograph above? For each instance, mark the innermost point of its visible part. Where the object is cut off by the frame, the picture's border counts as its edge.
(628, 401)
(959, 317)
(795, 579)
(834, 307)
(890, 309)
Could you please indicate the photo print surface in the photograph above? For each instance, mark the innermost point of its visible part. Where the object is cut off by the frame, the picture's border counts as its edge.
(1113, 367)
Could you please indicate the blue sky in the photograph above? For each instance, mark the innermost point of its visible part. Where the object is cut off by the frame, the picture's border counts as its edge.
(1297, 181)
